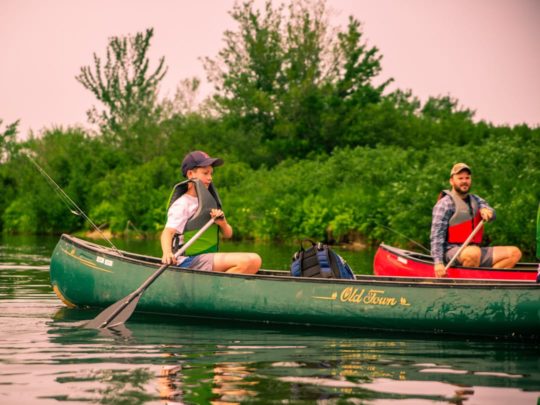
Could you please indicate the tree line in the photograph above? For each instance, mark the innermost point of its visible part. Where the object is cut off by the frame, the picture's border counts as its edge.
(315, 143)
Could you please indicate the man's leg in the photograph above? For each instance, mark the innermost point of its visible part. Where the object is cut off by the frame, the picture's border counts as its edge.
(237, 262)
(470, 256)
(505, 257)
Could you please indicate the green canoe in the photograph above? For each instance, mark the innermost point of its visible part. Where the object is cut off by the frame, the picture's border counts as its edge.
(84, 274)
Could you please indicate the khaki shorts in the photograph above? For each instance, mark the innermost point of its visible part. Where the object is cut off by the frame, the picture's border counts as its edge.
(486, 256)
(204, 261)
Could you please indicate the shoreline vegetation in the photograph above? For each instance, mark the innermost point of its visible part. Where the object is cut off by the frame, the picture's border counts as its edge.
(313, 147)
(353, 245)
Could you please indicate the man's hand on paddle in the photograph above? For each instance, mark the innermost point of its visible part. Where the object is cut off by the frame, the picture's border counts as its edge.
(440, 270)
(486, 214)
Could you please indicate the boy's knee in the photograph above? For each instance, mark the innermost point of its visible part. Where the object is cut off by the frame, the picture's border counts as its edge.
(249, 263)
(255, 262)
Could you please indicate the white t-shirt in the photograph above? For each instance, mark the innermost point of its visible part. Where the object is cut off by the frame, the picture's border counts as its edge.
(180, 212)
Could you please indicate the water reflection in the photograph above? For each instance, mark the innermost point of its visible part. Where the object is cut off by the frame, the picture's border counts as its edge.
(192, 361)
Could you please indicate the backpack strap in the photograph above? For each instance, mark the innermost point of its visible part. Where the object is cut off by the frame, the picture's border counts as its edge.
(326, 268)
(318, 260)
(312, 261)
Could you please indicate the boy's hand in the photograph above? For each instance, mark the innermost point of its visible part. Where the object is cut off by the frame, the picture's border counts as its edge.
(168, 258)
(217, 214)
(219, 219)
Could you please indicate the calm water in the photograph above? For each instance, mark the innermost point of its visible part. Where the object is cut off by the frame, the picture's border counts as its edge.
(46, 358)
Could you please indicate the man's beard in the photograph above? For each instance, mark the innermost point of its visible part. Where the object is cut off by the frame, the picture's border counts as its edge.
(460, 191)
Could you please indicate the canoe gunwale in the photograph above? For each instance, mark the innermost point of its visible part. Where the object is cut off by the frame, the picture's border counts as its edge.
(282, 275)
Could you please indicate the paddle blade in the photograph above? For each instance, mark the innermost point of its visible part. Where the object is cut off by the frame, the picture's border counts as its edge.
(120, 311)
(116, 314)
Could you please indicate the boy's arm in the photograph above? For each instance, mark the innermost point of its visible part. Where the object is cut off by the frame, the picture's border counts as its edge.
(166, 246)
(221, 221)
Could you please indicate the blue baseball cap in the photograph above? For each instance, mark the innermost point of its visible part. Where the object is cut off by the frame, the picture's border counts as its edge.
(199, 158)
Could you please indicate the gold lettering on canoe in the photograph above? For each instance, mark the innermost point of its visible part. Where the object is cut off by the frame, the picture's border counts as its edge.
(403, 301)
(366, 297)
(370, 297)
(332, 297)
(350, 294)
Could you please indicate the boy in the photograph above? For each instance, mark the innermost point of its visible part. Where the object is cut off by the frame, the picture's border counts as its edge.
(199, 166)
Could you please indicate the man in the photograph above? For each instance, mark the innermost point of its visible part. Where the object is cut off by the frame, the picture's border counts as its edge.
(455, 216)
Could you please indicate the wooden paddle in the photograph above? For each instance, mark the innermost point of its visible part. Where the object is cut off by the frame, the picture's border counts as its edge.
(465, 244)
(120, 311)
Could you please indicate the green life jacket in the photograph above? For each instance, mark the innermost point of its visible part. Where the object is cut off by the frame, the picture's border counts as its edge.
(208, 198)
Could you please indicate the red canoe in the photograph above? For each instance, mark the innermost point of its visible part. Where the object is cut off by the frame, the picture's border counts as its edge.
(392, 261)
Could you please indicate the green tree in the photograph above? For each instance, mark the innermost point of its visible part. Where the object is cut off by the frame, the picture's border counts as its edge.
(353, 94)
(247, 74)
(444, 106)
(8, 148)
(8, 140)
(125, 85)
(184, 100)
(285, 79)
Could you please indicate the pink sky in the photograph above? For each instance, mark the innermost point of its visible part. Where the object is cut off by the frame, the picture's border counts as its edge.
(485, 53)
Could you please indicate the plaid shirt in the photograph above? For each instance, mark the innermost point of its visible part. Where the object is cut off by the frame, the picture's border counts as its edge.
(442, 212)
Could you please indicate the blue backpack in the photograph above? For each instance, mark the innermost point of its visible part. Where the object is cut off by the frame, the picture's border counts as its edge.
(319, 260)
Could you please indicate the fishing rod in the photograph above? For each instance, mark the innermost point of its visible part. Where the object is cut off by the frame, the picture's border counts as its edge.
(73, 208)
(409, 239)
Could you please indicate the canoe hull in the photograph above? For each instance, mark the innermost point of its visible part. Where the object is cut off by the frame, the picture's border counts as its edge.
(394, 262)
(83, 275)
